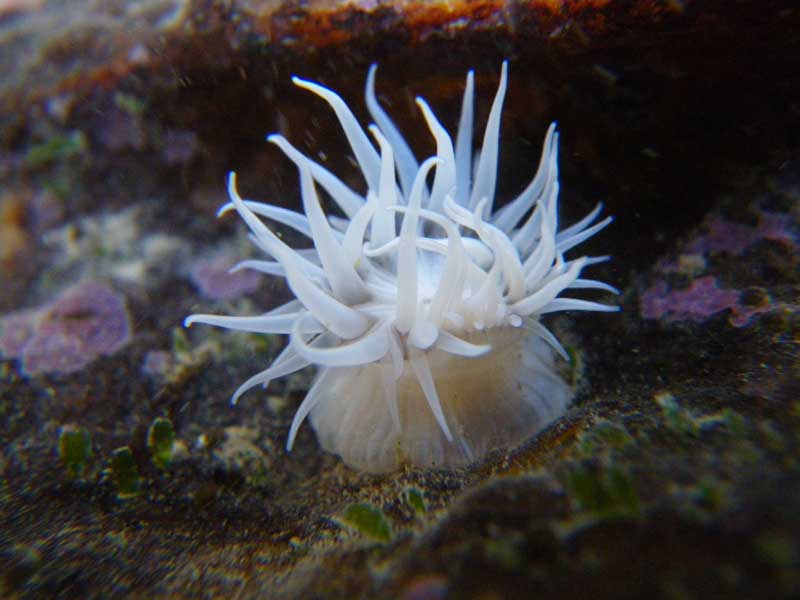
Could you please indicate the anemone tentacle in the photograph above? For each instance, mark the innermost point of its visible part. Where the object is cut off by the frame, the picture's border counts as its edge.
(421, 298)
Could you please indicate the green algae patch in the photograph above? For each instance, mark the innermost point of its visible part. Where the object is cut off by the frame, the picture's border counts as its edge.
(160, 441)
(780, 551)
(416, 500)
(129, 103)
(777, 549)
(181, 346)
(124, 473)
(678, 419)
(57, 148)
(682, 421)
(506, 551)
(368, 520)
(607, 492)
(74, 449)
(728, 418)
(604, 435)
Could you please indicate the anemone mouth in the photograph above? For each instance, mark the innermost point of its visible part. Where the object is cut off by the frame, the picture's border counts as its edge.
(492, 402)
(421, 309)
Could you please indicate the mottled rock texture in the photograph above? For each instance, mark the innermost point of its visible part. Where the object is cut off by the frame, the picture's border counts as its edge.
(675, 474)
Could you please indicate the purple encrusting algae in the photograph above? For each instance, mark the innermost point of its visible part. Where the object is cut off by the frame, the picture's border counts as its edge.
(85, 321)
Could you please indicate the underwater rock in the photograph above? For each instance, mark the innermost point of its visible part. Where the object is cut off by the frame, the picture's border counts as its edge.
(675, 473)
(85, 321)
(214, 280)
(704, 298)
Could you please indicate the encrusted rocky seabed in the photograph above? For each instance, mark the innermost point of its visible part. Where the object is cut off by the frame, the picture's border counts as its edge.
(125, 471)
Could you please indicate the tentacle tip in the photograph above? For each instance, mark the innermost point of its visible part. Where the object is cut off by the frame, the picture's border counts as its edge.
(307, 84)
(224, 209)
(188, 321)
(483, 350)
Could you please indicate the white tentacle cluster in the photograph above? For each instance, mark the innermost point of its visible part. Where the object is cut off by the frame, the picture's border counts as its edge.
(421, 307)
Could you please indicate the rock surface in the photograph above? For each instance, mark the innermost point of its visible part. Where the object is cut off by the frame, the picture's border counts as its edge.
(675, 474)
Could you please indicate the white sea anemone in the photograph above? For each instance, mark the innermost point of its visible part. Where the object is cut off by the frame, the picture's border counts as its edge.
(421, 309)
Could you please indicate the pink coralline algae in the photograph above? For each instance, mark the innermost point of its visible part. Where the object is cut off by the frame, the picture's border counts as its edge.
(85, 321)
(701, 300)
(213, 278)
(734, 238)
(705, 297)
(723, 236)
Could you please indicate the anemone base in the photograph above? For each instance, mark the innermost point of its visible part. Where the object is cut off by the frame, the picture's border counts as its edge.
(493, 401)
